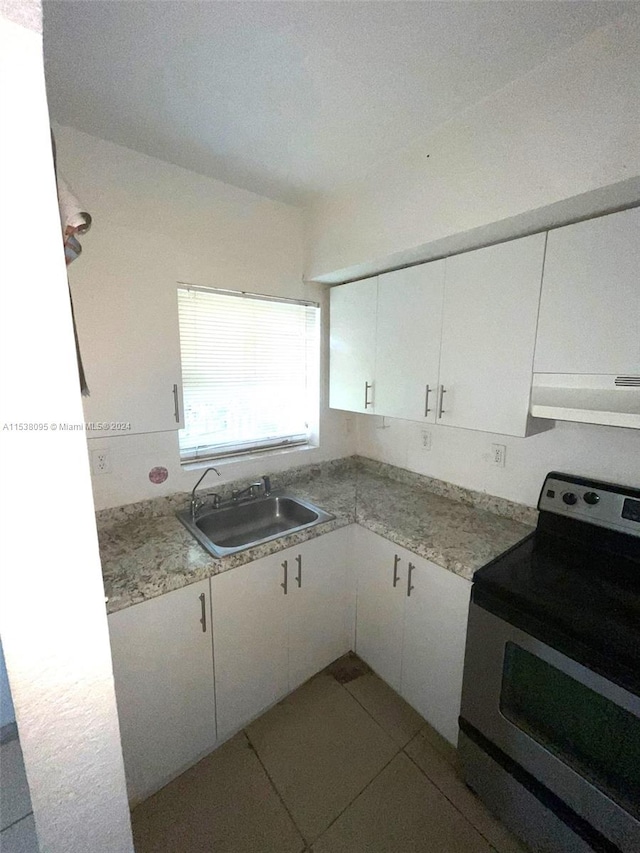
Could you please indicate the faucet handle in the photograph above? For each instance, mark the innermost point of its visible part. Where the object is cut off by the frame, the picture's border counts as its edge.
(267, 484)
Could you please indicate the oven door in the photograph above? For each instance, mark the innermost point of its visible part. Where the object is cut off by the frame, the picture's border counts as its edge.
(575, 732)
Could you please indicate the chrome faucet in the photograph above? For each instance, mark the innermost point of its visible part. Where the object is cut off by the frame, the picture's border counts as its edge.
(196, 503)
(251, 490)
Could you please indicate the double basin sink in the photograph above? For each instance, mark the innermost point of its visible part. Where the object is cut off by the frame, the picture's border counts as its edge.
(245, 524)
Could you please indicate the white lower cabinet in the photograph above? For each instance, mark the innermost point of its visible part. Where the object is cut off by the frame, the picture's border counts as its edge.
(382, 575)
(411, 627)
(435, 630)
(268, 639)
(275, 622)
(163, 673)
(322, 605)
(250, 637)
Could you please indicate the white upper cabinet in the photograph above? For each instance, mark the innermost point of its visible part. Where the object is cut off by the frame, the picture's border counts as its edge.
(353, 345)
(453, 344)
(126, 310)
(488, 336)
(590, 306)
(457, 341)
(408, 342)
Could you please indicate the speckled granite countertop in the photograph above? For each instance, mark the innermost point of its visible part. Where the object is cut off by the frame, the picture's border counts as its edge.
(146, 551)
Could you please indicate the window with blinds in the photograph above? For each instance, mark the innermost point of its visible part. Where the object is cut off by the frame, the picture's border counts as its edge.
(250, 372)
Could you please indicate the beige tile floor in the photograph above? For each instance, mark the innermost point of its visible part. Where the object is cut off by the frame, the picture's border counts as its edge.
(343, 765)
(17, 827)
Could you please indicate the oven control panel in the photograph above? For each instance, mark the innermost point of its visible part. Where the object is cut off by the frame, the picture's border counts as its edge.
(603, 504)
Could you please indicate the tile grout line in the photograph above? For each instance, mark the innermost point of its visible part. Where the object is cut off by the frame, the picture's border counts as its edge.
(5, 828)
(399, 750)
(393, 757)
(402, 749)
(352, 801)
(273, 785)
(359, 794)
(450, 801)
(364, 708)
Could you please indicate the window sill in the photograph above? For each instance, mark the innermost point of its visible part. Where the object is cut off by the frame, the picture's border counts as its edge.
(223, 461)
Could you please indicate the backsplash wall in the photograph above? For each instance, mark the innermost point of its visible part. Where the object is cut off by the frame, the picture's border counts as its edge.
(463, 456)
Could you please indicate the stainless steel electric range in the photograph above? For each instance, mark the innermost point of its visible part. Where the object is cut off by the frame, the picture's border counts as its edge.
(550, 715)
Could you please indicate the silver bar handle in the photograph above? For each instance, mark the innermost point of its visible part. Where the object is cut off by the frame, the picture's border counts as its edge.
(426, 402)
(299, 575)
(396, 576)
(284, 583)
(176, 404)
(410, 586)
(203, 610)
(441, 410)
(367, 401)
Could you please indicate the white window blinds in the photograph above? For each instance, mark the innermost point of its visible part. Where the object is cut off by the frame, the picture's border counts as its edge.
(249, 371)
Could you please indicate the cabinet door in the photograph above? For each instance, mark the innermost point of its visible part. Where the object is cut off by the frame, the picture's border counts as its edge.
(249, 640)
(408, 341)
(320, 604)
(590, 304)
(163, 672)
(382, 576)
(488, 336)
(435, 630)
(126, 310)
(353, 345)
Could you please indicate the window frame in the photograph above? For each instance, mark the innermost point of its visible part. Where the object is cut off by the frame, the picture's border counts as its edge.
(197, 455)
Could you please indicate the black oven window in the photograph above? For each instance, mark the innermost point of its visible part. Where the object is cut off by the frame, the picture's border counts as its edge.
(596, 737)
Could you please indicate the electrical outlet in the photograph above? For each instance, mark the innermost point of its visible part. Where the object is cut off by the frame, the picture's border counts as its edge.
(499, 455)
(425, 439)
(100, 463)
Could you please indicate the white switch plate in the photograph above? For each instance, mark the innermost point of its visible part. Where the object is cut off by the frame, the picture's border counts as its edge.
(499, 455)
(100, 462)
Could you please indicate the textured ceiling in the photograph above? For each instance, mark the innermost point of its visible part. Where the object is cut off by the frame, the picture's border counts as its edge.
(288, 99)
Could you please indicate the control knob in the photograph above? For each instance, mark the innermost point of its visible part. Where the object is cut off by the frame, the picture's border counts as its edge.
(591, 498)
(570, 498)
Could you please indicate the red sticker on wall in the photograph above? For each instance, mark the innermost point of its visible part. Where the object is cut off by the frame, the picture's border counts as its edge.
(158, 475)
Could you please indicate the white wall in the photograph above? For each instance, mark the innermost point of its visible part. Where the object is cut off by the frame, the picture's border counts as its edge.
(463, 456)
(567, 128)
(183, 227)
(52, 612)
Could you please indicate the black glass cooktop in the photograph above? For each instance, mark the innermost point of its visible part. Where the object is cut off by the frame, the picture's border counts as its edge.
(575, 588)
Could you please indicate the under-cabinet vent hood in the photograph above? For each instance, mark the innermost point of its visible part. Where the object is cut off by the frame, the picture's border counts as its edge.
(589, 398)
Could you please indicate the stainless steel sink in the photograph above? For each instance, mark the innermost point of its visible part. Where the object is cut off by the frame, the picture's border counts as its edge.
(236, 527)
